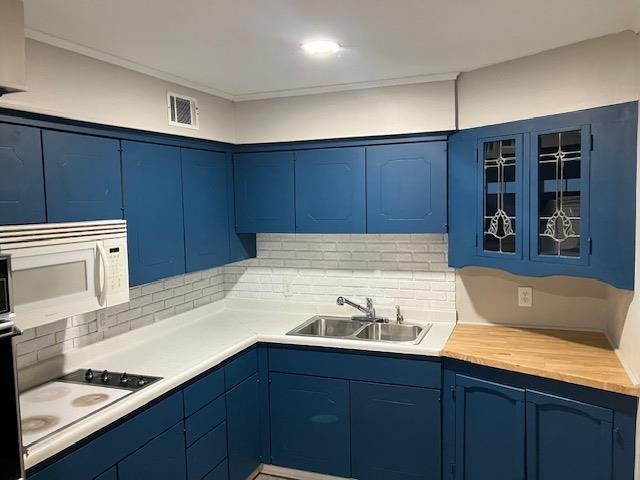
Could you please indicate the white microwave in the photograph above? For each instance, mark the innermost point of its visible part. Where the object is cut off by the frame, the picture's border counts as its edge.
(64, 269)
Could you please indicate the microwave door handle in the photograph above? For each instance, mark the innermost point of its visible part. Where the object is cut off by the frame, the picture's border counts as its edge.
(105, 275)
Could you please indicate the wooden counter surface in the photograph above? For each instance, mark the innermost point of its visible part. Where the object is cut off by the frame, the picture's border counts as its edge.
(583, 358)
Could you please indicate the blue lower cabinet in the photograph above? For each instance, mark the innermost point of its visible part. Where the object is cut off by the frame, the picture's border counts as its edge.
(407, 188)
(568, 439)
(207, 453)
(264, 192)
(489, 430)
(153, 210)
(405, 422)
(221, 472)
(82, 177)
(21, 180)
(330, 190)
(111, 474)
(310, 425)
(205, 180)
(162, 458)
(243, 428)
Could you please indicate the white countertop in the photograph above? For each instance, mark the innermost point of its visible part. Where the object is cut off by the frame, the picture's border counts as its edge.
(180, 348)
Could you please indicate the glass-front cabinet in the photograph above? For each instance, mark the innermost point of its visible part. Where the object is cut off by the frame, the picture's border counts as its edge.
(545, 196)
(560, 207)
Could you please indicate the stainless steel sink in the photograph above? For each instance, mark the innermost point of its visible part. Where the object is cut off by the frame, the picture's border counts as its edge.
(392, 332)
(346, 327)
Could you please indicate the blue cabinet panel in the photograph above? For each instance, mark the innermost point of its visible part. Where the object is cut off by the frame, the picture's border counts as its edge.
(264, 193)
(243, 428)
(568, 439)
(205, 419)
(203, 391)
(153, 209)
(241, 367)
(489, 430)
(204, 455)
(111, 474)
(330, 190)
(310, 424)
(205, 180)
(406, 188)
(400, 370)
(380, 413)
(221, 472)
(163, 458)
(241, 245)
(22, 180)
(82, 177)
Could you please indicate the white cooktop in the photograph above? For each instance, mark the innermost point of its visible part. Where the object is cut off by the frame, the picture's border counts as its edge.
(53, 406)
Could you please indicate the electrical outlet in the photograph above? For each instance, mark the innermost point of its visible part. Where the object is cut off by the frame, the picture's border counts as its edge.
(525, 296)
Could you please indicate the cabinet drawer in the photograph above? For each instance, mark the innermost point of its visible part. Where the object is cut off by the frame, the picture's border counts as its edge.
(221, 472)
(204, 455)
(205, 419)
(203, 391)
(356, 366)
(241, 368)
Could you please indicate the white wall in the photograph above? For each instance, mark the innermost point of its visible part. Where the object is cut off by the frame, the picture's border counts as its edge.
(424, 107)
(70, 85)
(588, 74)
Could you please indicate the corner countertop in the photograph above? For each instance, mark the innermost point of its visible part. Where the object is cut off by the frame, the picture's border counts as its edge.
(180, 348)
(579, 357)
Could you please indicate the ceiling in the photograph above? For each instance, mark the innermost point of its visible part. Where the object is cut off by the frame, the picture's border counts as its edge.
(245, 49)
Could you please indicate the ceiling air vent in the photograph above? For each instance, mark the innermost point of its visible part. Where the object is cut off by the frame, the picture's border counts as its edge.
(183, 111)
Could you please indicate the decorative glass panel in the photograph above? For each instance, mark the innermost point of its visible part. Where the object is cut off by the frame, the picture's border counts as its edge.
(499, 222)
(559, 165)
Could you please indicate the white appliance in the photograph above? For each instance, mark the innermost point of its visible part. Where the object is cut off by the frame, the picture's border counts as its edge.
(63, 269)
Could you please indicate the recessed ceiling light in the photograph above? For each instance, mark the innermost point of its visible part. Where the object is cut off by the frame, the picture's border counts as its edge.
(321, 47)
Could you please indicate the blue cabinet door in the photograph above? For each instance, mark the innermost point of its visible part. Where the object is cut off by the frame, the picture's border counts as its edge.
(264, 192)
(243, 428)
(310, 424)
(205, 180)
(489, 430)
(163, 458)
(111, 474)
(568, 439)
(153, 210)
(406, 188)
(82, 177)
(21, 180)
(406, 421)
(330, 190)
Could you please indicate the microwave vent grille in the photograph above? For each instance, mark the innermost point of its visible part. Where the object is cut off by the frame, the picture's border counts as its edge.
(25, 236)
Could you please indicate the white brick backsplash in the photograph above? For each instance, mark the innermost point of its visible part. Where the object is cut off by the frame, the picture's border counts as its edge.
(406, 269)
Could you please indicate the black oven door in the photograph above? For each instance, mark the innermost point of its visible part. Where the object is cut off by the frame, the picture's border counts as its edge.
(11, 466)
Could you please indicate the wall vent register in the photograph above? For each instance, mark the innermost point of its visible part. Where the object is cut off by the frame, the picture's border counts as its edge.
(183, 111)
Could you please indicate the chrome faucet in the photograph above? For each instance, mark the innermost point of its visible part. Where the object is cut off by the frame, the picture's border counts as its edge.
(399, 316)
(369, 311)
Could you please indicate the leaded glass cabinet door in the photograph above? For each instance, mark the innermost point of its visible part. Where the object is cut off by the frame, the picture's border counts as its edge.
(500, 162)
(560, 195)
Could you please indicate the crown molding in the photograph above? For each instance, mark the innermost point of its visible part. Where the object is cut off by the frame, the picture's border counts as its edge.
(295, 92)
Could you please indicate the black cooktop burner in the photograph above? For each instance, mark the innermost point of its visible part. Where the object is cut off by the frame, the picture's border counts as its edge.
(104, 378)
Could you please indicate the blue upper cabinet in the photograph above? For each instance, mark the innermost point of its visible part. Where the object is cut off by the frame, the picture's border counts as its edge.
(264, 184)
(568, 439)
(489, 430)
(82, 177)
(407, 188)
(330, 190)
(21, 180)
(547, 196)
(205, 180)
(152, 180)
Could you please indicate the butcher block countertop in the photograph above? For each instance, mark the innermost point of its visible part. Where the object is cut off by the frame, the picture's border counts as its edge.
(583, 358)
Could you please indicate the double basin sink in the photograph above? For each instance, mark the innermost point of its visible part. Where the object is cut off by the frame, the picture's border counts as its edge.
(348, 328)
